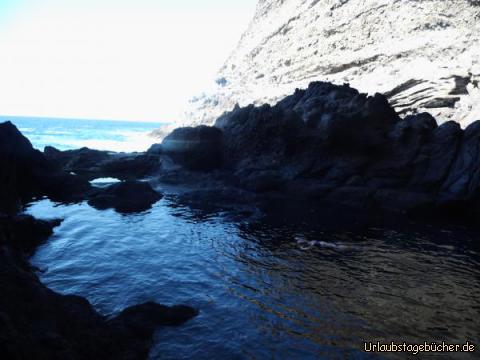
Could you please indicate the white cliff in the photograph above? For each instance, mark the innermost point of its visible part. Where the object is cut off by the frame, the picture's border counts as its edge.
(424, 54)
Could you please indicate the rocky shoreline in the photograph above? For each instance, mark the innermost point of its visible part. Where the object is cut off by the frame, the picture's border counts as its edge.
(328, 144)
(36, 322)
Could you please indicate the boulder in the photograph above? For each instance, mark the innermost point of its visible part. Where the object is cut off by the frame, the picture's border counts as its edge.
(260, 136)
(125, 197)
(93, 164)
(145, 318)
(25, 233)
(82, 161)
(130, 167)
(195, 148)
(26, 172)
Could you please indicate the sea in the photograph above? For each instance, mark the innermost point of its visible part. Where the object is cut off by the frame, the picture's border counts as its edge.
(274, 279)
(67, 134)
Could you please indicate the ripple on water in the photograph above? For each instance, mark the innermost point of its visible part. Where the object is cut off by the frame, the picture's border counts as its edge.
(262, 293)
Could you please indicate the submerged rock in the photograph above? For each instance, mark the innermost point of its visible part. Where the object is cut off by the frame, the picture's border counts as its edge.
(125, 197)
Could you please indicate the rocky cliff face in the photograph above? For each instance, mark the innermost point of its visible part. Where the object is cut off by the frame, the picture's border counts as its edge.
(424, 55)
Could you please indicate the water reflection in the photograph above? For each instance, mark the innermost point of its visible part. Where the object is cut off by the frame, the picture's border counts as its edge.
(261, 292)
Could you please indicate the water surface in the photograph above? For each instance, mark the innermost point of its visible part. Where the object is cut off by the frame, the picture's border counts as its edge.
(269, 283)
(67, 134)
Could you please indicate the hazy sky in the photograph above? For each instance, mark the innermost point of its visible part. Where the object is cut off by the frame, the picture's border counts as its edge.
(113, 59)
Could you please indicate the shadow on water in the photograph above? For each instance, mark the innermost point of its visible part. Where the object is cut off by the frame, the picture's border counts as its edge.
(272, 279)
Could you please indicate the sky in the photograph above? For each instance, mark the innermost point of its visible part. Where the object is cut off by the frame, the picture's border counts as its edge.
(113, 59)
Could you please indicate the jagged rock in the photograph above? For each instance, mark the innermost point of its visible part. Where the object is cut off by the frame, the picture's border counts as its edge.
(93, 164)
(143, 319)
(24, 233)
(262, 181)
(255, 134)
(426, 61)
(196, 148)
(125, 197)
(82, 161)
(130, 167)
(26, 172)
(334, 144)
(434, 160)
(463, 179)
(327, 142)
(313, 127)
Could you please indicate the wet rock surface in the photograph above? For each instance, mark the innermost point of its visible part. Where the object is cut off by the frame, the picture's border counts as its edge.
(92, 164)
(125, 197)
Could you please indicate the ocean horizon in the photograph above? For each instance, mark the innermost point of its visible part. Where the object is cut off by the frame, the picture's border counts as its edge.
(98, 134)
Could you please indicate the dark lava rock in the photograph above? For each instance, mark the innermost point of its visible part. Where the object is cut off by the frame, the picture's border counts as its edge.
(335, 144)
(463, 179)
(262, 181)
(195, 148)
(315, 125)
(24, 233)
(26, 172)
(93, 164)
(125, 197)
(155, 149)
(143, 319)
(434, 160)
(131, 167)
(82, 161)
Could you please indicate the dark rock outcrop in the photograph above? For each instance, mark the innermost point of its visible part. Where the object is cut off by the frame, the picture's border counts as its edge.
(328, 142)
(83, 161)
(92, 164)
(23, 233)
(130, 167)
(337, 145)
(196, 148)
(26, 172)
(125, 197)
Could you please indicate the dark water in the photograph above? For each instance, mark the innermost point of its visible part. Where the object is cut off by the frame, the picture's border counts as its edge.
(263, 289)
(67, 134)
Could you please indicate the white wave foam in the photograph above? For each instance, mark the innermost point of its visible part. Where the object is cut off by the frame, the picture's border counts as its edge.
(134, 141)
